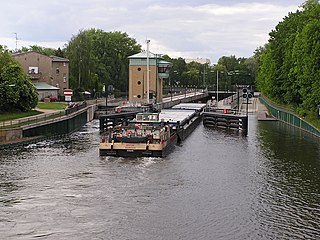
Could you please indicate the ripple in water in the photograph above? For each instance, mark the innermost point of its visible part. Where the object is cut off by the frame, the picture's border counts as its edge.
(215, 185)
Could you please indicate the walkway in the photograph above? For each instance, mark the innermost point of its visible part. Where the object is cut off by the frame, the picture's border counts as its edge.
(263, 113)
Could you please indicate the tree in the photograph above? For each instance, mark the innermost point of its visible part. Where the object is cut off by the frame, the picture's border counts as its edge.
(290, 64)
(99, 58)
(41, 50)
(16, 91)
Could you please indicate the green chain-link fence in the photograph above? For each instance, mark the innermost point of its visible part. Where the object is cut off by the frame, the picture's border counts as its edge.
(289, 117)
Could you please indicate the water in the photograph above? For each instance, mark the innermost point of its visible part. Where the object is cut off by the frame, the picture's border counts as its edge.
(216, 185)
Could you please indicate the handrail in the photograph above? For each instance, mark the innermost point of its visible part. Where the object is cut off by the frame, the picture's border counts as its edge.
(289, 117)
(30, 120)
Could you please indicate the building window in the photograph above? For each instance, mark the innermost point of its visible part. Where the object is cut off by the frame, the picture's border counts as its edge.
(162, 69)
(64, 64)
(139, 69)
(139, 96)
(57, 71)
(139, 82)
(64, 79)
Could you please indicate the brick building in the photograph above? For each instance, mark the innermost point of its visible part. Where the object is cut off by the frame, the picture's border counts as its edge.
(50, 74)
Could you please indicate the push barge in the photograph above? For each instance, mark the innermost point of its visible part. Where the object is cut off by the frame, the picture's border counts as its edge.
(146, 134)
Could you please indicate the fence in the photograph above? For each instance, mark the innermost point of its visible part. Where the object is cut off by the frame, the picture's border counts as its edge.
(75, 107)
(31, 120)
(290, 118)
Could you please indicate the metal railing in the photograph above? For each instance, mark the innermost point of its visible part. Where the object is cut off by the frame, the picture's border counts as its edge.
(75, 108)
(289, 117)
(31, 120)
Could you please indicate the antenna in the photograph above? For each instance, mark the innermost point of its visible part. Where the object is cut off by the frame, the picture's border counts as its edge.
(16, 41)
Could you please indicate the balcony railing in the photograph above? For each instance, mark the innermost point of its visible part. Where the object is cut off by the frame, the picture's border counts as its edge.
(34, 76)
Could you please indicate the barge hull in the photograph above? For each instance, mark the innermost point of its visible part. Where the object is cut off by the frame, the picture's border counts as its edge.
(138, 152)
(142, 151)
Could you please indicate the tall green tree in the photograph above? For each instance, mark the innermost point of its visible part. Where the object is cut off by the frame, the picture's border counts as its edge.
(42, 50)
(17, 93)
(306, 67)
(99, 58)
(289, 71)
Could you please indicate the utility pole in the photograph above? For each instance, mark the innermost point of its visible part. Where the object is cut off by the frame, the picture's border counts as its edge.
(148, 70)
(217, 87)
(16, 34)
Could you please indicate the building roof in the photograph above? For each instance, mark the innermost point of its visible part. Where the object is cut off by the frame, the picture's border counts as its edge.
(44, 86)
(143, 54)
(59, 59)
(164, 62)
(54, 58)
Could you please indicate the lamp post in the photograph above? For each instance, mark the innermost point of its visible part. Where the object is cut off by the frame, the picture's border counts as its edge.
(148, 71)
(217, 87)
(185, 92)
(170, 82)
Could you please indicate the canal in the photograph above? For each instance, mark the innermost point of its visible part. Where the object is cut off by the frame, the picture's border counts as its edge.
(215, 185)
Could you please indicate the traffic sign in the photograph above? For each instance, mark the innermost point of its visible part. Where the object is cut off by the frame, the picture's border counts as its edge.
(67, 92)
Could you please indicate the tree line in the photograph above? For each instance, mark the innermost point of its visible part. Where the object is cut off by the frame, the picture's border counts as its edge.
(286, 69)
(232, 71)
(98, 59)
(290, 61)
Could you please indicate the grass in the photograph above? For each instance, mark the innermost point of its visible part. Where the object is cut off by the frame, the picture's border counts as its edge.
(11, 116)
(41, 105)
(314, 120)
(311, 118)
(52, 105)
(52, 116)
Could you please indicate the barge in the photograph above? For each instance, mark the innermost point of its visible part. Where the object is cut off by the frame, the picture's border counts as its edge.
(150, 134)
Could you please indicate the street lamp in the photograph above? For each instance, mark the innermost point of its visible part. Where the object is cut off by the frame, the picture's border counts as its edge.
(218, 86)
(148, 70)
(185, 92)
(170, 82)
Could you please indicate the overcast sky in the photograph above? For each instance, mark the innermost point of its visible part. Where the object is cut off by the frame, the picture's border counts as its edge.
(178, 28)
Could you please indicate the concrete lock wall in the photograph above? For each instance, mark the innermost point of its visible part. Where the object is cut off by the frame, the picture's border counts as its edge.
(8, 135)
(56, 128)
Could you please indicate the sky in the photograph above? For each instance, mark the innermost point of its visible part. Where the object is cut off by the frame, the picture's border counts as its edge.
(179, 28)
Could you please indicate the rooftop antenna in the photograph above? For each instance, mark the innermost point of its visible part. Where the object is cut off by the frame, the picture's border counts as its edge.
(16, 34)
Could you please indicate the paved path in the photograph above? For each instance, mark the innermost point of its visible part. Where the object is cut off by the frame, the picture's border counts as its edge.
(263, 113)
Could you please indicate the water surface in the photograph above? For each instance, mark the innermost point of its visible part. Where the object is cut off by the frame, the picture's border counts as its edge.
(215, 185)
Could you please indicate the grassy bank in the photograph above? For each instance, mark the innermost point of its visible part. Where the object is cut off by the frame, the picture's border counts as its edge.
(311, 117)
(12, 116)
(52, 105)
(314, 119)
(41, 105)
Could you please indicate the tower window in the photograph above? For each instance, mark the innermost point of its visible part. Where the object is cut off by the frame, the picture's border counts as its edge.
(139, 82)
(139, 96)
(139, 69)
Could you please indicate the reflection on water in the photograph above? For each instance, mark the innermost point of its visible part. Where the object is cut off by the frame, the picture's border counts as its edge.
(291, 182)
(215, 185)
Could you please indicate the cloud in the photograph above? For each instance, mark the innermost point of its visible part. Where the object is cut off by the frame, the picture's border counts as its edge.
(190, 28)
